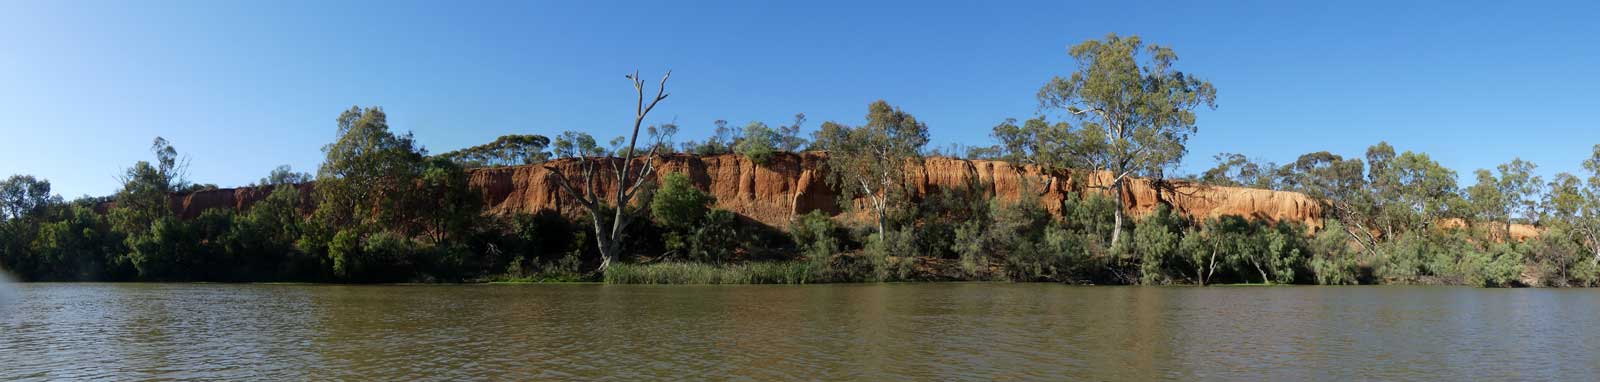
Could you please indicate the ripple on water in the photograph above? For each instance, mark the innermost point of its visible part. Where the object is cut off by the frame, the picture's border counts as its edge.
(829, 332)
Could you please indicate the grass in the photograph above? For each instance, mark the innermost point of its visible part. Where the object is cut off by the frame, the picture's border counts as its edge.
(771, 272)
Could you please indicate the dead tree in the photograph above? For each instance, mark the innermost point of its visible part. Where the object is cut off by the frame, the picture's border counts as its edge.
(628, 179)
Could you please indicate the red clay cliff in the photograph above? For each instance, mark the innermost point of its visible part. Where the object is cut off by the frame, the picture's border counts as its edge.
(794, 184)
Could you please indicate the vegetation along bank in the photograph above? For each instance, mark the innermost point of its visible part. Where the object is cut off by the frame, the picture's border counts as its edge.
(1081, 194)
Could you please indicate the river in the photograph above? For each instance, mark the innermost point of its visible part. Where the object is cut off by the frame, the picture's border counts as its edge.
(963, 331)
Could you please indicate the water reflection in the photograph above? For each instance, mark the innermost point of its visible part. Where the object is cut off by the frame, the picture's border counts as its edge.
(829, 332)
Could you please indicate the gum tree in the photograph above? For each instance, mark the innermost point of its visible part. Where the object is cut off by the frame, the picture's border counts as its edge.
(870, 160)
(1134, 111)
(627, 178)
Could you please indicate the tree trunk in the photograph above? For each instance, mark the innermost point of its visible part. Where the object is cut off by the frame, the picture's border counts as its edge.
(603, 243)
(1116, 231)
(880, 225)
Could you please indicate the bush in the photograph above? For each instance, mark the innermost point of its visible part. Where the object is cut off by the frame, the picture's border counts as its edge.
(1500, 265)
(717, 238)
(1332, 261)
(759, 143)
(564, 270)
(786, 272)
(816, 234)
(889, 257)
(690, 226)
(1155, 241)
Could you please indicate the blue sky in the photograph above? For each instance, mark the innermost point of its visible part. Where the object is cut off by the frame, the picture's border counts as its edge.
(241, 87)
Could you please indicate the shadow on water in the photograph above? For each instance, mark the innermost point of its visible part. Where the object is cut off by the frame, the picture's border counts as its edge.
(8, 291)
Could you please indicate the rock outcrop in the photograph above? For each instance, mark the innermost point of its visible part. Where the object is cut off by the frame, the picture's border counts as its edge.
(795, 184)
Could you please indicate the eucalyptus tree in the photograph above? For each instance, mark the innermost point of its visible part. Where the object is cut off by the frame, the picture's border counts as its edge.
(871, 160)
(1135, 112)
(507, 150)
(1342, 185)
(144, 212)
(1520, 188)
(1514, 191)
(283, 175)
(626, 177)
(23, 195)
(789, 138)
(1238, 170)
(1052, 147)
(1587, 222)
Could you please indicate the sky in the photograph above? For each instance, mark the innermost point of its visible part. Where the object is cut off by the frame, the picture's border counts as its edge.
(240, 87)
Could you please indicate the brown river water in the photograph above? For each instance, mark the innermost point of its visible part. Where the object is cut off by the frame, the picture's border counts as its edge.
(876, 332)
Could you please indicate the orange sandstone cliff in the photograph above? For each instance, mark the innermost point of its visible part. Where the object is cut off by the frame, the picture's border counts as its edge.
(795, 184)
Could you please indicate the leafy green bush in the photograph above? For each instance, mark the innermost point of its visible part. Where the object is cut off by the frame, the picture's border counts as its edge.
(1332, 261)
(691, 227)
(759, 143)
(787, 272)
(816, 234)
(1155, 240)
(1499, 265)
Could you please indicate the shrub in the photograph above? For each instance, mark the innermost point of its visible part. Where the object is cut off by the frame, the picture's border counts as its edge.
(816, 234)
(1500, 265)
(1155, 241)
(786, 272)
(759, 143)
(1332, 262)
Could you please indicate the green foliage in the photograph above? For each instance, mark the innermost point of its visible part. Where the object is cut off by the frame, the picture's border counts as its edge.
(1135, 112)
(870, 161)
(1332, 261)
(946, 211)
(507, 150)
(1155, 241)
(691, 227)
(817, 235)
(567, 269)
(283, 175)
(23, 195)
(79, 245)
(678, 205)
(1034, 248)
(1236, 170)
(787, 272)
(576, 144)
(759, 143)
(893, 254)
(1245, 250)
(1499, 265)
(721, 141)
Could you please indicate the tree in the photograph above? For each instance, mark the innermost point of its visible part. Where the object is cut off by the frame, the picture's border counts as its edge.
(368, 174)
(870, 161)
(1342, 185)
(759, 143)
(627, 180)
(144, 213)
(1501, 198)
(1135, 112)
(23, 202)
(1054, 148)
(1587, 222)
(283, 175)
(507, 150)
(1520, 188)
(23, 195)
(1239, 171)
(721, 141)
(789, 139)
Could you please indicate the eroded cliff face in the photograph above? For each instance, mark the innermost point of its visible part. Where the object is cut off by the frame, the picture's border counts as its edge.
(795, 184)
